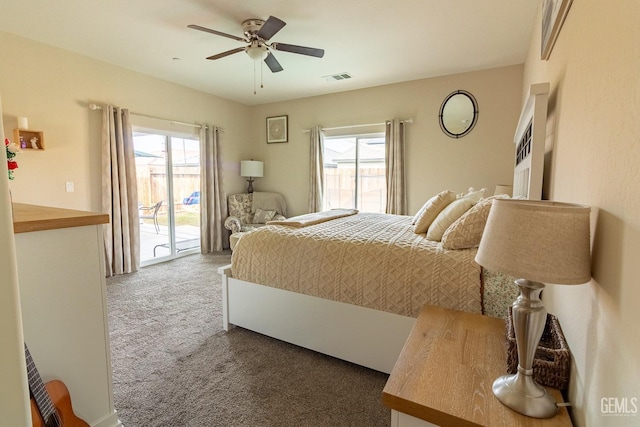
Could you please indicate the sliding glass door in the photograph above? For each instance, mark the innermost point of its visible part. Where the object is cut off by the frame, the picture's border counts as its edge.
(168, 178)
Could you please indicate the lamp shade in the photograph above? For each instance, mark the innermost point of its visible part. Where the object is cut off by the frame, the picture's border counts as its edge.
(503, 189)
(251, 168)
(540, 241)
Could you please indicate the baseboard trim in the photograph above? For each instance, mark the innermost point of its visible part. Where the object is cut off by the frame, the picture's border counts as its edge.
(110, 421)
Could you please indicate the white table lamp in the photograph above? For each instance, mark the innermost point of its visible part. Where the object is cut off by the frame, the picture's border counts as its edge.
(536, 241)
(251, 169)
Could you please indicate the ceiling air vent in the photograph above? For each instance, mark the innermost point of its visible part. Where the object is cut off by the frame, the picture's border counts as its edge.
(339, 76)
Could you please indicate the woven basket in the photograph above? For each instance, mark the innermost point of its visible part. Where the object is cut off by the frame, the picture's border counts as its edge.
(552, 361)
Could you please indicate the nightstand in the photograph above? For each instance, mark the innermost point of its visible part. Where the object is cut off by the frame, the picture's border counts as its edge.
(444, 374)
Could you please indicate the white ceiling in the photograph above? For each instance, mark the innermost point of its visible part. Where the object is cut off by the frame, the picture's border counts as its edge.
(376, 41)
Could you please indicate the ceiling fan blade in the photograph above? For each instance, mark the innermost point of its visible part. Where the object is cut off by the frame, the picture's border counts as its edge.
(217, 33)
(310, 51)
(272, 63)
(270, 28)
(227, 53)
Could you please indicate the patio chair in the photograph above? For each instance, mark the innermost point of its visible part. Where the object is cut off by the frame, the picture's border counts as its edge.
(151, 212)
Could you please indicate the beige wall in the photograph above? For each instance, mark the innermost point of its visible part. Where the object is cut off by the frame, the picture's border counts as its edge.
(434, 161)
(593, 157)
(53, 87)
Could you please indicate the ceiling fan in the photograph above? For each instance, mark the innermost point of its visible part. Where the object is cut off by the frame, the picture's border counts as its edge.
(257, 34)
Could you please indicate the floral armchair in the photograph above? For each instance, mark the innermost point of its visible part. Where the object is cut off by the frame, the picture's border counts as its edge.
(248, 211)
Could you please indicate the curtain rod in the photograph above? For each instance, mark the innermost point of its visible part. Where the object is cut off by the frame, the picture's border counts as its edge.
(98, 107)
(357, 126)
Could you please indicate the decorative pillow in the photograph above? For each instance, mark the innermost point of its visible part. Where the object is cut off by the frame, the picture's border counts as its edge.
(447, 217)
(431, 209)
(473, 194)
(262, 217)
(467, 230)
(419, 213)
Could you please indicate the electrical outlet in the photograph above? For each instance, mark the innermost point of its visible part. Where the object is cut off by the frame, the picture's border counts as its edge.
(70, 187)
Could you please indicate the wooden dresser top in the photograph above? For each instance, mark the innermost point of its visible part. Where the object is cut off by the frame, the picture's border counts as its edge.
(445, 373)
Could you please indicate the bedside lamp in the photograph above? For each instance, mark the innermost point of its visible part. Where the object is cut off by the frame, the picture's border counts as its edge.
(251, 169)
(536, 241)
(503, 189)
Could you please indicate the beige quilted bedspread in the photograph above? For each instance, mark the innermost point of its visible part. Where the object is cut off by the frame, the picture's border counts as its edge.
(371, 260)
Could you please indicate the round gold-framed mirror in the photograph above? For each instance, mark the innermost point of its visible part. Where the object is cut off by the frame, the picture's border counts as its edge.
(458, 114)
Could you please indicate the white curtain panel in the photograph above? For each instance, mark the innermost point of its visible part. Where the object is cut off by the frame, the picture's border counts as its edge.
(394, 163)
(213, 202)
(119, 193)
(316, 170)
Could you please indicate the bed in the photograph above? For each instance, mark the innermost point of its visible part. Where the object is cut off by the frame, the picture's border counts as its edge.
(350, 285)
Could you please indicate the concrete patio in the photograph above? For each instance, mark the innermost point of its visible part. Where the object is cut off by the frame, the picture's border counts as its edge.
(150, 240)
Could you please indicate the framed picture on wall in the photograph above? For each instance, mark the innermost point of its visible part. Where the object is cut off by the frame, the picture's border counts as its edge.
(554, 13)
(277, 129)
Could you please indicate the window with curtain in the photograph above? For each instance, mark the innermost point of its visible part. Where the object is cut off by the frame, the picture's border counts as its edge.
(354, 172)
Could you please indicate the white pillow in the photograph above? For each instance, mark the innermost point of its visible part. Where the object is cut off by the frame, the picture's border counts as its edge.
(447, 217)
(418, 214)
(473, 194)
(431, 209)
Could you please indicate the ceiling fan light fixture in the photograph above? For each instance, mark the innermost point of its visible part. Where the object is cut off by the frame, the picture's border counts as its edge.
(256, 52)
(258, 33)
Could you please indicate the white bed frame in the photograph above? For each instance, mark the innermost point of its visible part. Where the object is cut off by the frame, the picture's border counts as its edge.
(357, 334)
(349, 332)
(530, 140)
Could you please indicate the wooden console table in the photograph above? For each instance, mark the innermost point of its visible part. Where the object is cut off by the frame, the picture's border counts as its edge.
(444, 375)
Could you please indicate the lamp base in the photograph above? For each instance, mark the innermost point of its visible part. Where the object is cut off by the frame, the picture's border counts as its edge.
(250, 186)
(521, 393)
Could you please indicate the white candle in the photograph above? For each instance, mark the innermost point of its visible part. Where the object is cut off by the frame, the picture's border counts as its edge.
(23, 123)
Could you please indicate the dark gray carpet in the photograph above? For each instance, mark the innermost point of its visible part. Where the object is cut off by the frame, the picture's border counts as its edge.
(174, 366)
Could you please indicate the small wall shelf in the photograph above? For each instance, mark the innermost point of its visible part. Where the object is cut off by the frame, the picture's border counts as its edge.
(24, 135)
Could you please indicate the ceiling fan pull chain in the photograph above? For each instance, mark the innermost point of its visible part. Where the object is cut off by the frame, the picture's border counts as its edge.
(254, 77)
(261, 69)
